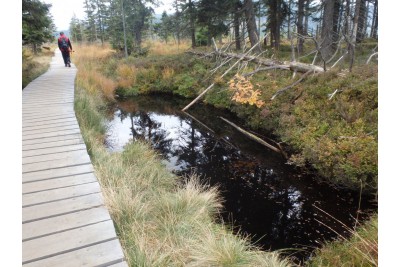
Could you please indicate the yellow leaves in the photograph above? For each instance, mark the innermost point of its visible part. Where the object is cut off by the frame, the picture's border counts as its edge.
(244, 91)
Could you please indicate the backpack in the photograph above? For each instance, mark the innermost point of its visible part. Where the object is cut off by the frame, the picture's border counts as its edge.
(64, 44)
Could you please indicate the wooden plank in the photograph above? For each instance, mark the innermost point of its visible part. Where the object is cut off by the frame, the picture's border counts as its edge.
(60, 193)
(38, 100)
(43, 99)
(52, 134)
(61, 207)
(64, 128)
(51, 139)
(52, 147)
(50, 125)
(78, 157)
(95, 255)
(28, 124)
(63, 223)
(56, 173)
(51, 151)
(33, 119)
(58, 183)
(71, 240)
(49, 110)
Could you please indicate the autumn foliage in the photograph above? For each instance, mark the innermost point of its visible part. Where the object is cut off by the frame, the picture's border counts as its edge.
(244, 92)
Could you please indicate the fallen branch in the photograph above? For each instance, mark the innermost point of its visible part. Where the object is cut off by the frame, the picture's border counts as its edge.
(222, 76)
(282, 67)
(339, 59)
(332, 94)
(290, 86)
(293, 66)
(253, 137)
(370, 57)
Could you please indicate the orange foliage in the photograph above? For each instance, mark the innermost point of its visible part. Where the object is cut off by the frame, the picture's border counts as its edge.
(244, 91)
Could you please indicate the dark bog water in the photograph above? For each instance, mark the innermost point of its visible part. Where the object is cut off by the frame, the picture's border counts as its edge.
(263, 196)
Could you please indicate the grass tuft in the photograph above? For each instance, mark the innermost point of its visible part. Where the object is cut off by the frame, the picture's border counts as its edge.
(360, 250)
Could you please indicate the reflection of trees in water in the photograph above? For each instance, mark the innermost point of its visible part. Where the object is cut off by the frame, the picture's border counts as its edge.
(264, 201)
(246, 187)
(143, 127)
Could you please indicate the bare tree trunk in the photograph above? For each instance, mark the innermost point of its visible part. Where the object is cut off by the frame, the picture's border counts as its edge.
(251, 23)
(236, 24)
(177, 25)
(306, 17)
(374, 26)
(289, 18)
(362, 21)
(336, 21)
(300, 25)
(275, 22)
(353, 39)
(192, 24)
(327, 29)
(99, 12)
(124, 28)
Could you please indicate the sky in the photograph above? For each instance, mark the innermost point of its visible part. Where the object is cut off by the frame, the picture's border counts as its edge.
(63, 10)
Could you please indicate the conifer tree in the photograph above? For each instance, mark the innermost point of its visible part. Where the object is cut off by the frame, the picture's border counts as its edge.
(37, 23)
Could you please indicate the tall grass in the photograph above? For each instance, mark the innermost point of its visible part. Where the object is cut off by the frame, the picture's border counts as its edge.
(171, 48)
(161, 219)
(89, 59)
(361, 249)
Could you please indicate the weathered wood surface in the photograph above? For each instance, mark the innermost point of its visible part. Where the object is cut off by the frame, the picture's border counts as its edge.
(64, 220)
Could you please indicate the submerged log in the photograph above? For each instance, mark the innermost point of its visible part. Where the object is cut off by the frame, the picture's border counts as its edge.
(253, 137)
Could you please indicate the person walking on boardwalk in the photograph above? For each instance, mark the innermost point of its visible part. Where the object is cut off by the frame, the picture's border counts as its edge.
(64, 44)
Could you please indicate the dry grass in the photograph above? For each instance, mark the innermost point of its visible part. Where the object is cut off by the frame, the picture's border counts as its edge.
(168, 73)
(171, 48)
(89, 76)
(360, 250)
(126, 75)
(35, 65)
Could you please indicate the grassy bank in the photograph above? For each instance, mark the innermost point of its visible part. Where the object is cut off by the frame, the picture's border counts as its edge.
(360, 250)
(160, 219)
(336, 137)
(34, 65)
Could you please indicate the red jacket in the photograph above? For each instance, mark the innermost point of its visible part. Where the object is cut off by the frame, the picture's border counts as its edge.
(68, 41)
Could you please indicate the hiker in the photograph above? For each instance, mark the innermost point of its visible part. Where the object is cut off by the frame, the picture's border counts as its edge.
(64, 44)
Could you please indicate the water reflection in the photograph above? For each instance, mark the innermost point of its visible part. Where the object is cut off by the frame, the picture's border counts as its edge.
(263, 196)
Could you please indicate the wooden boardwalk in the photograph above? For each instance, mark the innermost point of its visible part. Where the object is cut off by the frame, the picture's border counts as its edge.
(64, 220)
